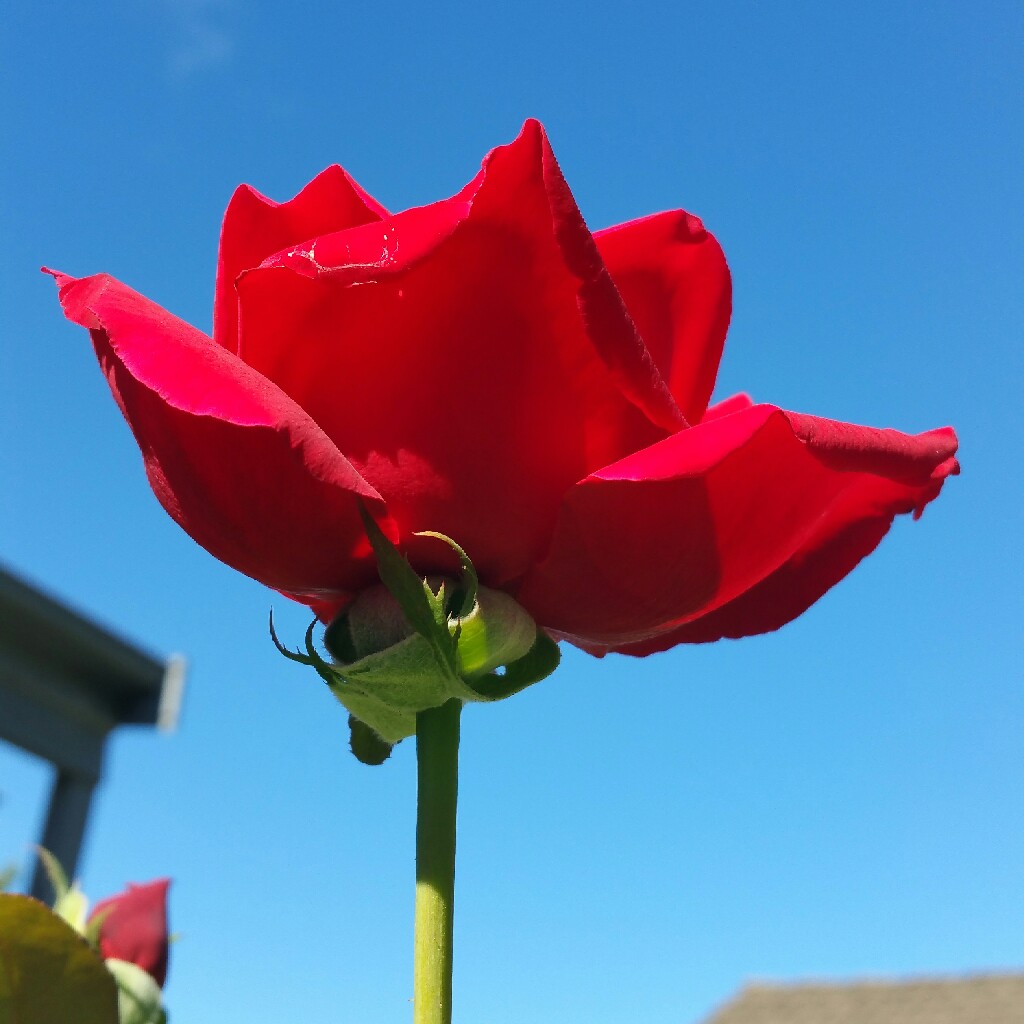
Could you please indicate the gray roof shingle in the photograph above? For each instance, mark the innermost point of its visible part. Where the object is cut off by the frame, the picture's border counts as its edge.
(977, 999)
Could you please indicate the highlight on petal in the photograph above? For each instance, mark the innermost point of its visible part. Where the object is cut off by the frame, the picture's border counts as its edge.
(727, 406)
(481, 357)
(744, 520)
(676, 285)
(243, 469)
(255, 227)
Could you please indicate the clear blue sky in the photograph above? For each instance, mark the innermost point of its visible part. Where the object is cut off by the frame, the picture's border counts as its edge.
(844, 797)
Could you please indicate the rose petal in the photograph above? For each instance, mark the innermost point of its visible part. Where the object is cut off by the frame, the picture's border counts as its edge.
(675, 282)
(607, 321)
(134, 927)
(255, 227)
(682, 529)
(231, 458)
(471, 358)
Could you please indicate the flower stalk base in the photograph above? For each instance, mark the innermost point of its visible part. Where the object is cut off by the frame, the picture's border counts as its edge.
(437, 762)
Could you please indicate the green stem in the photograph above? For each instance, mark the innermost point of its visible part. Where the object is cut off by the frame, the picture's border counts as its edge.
(437, 761)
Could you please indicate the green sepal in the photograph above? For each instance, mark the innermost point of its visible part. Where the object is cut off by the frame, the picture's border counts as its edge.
(368, 717)
(425, 614)
(388, 688)
(324, 669)
(311, 659)
(497, 631)
(301, 659)
(338, 640)
(72, 907)
(69, 902)
(538, 663)
(139, 1000)
(413, 644)
(367, 746)
(94, 925)
(464, 597)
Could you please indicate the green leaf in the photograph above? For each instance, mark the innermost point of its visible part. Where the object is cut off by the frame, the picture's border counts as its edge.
(54, 872)
(410, 591)
(7, 876)
(48, 972)
(538, 663)
(138, 995)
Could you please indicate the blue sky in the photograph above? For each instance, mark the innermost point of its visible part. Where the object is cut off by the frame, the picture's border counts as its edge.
(841, 798)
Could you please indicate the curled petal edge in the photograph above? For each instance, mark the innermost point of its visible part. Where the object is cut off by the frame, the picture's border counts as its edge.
(698, 523)
(219, 439)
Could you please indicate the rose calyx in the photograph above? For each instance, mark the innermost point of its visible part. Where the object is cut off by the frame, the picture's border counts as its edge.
(410, 644)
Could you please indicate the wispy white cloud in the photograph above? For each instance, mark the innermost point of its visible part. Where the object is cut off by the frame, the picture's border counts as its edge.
(200, 39)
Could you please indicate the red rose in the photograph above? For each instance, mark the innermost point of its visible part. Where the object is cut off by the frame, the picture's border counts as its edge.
(134, 927)
(487, 368)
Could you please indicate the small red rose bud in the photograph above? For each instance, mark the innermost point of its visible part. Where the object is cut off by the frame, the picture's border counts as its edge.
(133, 927)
